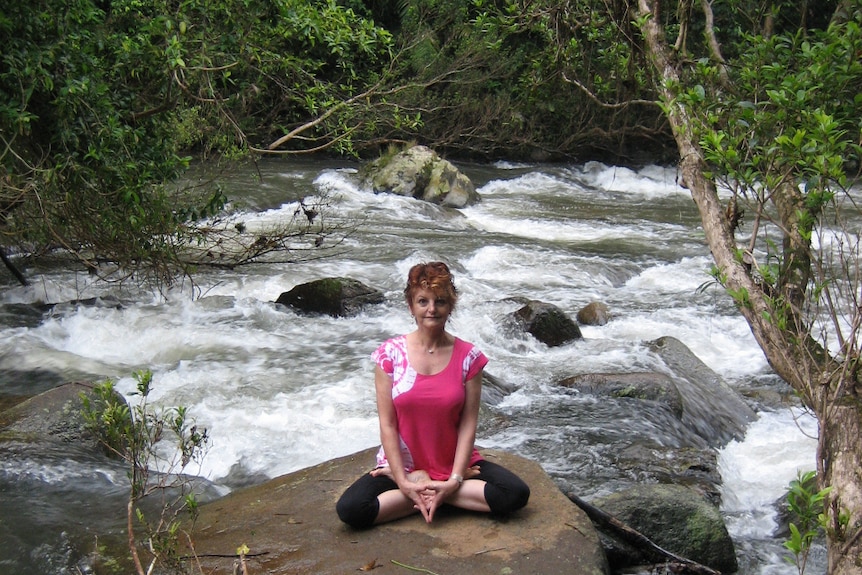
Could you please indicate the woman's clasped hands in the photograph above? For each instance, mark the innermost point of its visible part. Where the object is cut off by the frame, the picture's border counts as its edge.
(426, 494)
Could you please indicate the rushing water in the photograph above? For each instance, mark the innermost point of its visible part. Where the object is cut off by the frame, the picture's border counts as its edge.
(280, 391)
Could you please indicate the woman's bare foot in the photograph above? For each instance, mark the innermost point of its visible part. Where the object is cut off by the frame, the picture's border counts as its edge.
(418, 476)
(472, 472)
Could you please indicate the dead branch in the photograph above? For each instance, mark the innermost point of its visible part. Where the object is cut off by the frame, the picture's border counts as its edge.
(12, 269)
(603, 104)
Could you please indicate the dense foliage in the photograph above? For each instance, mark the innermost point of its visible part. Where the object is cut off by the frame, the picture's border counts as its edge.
(533, 80)
(101, 104)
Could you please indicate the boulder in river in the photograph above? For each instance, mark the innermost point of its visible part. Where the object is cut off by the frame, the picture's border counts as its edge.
(338, 297)
(51, 417)
(645, 386)
(419, 172)
(675, 518)
(594, 313)
(710, 406)
(290, 526)
(547, 323)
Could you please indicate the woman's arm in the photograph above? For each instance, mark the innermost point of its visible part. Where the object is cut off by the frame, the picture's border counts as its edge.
(450, 490)
(469, 422)
(413, 491)
(389, 436)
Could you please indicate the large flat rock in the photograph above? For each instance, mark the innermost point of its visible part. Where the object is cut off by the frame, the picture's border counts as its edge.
(290, 526)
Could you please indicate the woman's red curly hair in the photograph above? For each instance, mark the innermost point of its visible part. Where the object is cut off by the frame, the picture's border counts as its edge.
(434, 276)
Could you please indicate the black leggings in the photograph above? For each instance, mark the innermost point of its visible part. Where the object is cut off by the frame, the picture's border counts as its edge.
(358, 506)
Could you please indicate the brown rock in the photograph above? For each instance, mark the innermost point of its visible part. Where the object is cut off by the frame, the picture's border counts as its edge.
(290, 526)
(594, 313)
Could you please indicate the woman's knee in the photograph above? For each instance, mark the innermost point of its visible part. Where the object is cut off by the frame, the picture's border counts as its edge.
(358, 513)
(506, 492)
(505, 500)
(519, 496)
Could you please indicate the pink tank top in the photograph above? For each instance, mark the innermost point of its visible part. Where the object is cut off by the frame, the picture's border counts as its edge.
(428, 407)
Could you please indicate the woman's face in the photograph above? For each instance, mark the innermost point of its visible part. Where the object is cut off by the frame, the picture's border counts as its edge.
(429, 309)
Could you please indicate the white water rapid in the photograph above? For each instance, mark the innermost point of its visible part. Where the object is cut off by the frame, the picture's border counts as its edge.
(279, 391)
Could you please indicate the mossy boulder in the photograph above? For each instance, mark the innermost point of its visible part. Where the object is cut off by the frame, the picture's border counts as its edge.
(419, 172)
(674, 517)
(337, 296)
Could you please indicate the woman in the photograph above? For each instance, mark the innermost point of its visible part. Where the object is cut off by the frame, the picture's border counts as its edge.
(429, 385)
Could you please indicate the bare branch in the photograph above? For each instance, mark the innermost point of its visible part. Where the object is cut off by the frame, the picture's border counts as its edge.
(712, 41)
(613, 106)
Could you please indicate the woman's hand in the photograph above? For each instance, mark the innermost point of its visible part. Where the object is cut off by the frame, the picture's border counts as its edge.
(427, 495)
(416, 486)
(437, 494)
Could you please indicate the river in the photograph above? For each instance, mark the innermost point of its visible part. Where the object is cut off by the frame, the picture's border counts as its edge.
(279, 391)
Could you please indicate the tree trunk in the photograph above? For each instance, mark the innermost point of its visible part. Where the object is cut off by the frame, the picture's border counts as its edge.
(840, 462)
(828, 387)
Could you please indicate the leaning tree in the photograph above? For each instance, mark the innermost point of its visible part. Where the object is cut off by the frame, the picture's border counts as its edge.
(769, 142)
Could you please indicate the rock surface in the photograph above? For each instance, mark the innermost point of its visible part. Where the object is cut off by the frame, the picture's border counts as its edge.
(646, 386)
(290, 526)
(547, 323)
(594, 313)
(710, 406)
(54, 416)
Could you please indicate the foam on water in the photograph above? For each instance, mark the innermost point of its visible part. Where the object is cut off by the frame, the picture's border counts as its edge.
(781, 443)
(289, 431)
(650, 181)
(556, 231)
(354, 201)
(59, 473)
(504, 269)
(683, 276)
(279, 391)
(523, 186)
